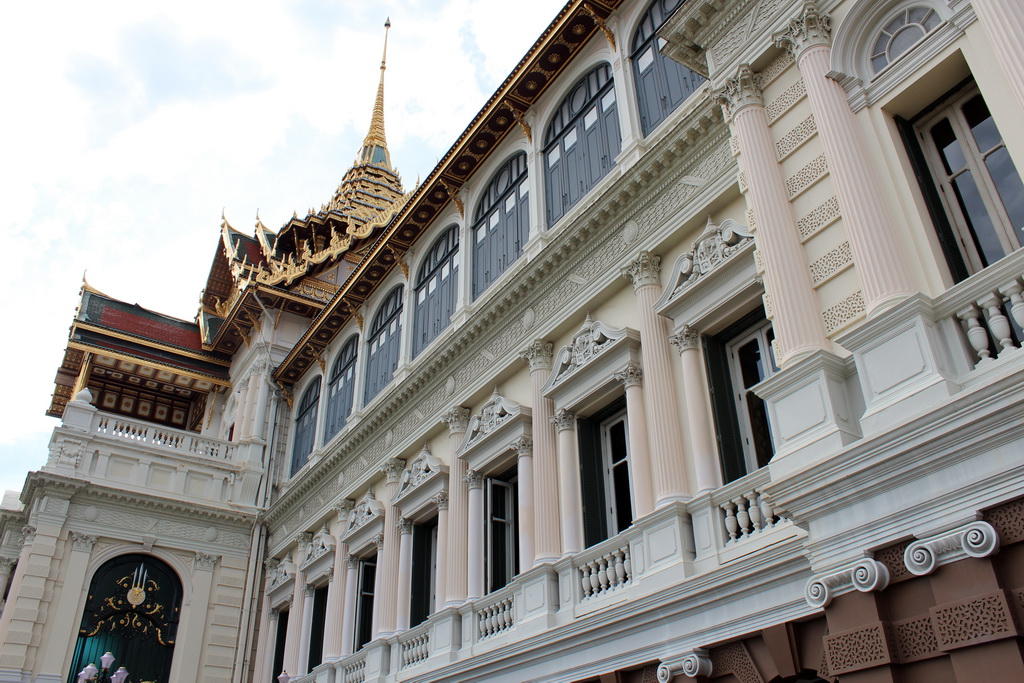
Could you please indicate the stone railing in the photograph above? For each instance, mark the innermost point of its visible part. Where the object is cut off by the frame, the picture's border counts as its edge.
(608, 568)
(495, 613)
(155, 435)
(352, 669)
(744, 512)
(414, 646)
(984, 305)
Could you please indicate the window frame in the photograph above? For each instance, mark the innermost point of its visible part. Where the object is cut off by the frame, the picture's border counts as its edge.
(601, 518)
(499, 571)
(365, 600)
(383, 357)
(500, 230)
(436, 292)
(338, 410)
(306, 416)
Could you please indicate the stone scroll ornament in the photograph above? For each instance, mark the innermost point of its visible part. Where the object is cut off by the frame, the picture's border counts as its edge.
(865, 576)
(696, 663)
(977, 539)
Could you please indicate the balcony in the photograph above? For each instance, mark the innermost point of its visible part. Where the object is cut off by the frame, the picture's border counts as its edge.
(108, 449)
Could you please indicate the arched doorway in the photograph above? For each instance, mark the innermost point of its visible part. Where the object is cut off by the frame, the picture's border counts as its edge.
(132, 610)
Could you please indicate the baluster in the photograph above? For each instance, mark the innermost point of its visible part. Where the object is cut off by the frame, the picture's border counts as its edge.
(754, 511)
(595, 581)
(585, 580)
(1013, 293)
(602, 573)
(731, 525)
(620, 571)
(766, 511)
(976, 334)
(997, 322)
(627, 563)
(742, 516)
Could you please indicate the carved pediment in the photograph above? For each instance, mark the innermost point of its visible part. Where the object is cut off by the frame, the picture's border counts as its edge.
(495, 413)
(593, 339)
(716, 244)
(321, 544)
(420, 469)
(424, 478)
(366, 510)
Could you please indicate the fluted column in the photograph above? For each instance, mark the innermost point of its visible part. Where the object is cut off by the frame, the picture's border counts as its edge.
(455, 587)
(348, 621)
(270, 624)
(337, 590)
(1003, 22)
(308, 592)
(698, 414)
(441, 565)
(523, 447)
(570, 498)
(378, 583)
(386, 592)
(547, 534)
(664, 428)
(404, 592)
(475, 550)
(796, 319)
(64, 606)
(884, 274)
(639, 456)
(295, 619)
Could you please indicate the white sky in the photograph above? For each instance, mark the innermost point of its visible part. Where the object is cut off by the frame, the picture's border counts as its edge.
(126, 127)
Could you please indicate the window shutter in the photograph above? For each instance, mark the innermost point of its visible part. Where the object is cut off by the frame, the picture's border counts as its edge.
(595, 504)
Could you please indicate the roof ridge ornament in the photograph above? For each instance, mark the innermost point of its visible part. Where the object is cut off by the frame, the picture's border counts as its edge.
(375, 138)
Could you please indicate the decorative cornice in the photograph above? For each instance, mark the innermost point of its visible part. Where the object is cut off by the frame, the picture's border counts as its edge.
(457, 419)
(809, 29)
(977, 539)
(205, 562)
(685, 339)
(740, 91)
(864, 575)
(631, 376)
(693, 664)
(473, 479)
(563, 419)
(539, 354)
(644, 270)
(82, 542)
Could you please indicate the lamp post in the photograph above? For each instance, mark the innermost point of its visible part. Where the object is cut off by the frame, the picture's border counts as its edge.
(91, 673)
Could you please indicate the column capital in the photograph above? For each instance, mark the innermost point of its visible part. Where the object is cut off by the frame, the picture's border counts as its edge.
(7, 563)
(645, 269)
(523, 446)
(393, 469)
(205, 562)
(351, 561)
(404, 525)
(539, 354)
(378, 541)
(344, 509)
(273, 613)
(809, 29)
(692, 664)
(742, 90)
(82, 542)
(473, 479)
(563, 419)
(685, 339)
(457, 419)
(28, 535)
(308, 591)
(441, 500)
(630, 376)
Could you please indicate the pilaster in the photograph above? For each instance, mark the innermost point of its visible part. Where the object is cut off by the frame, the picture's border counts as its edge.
(547, 536)
(698, 410)
(569, 479)
(455, 589)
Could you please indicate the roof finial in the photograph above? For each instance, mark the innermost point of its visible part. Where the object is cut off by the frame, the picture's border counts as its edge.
(375, 145)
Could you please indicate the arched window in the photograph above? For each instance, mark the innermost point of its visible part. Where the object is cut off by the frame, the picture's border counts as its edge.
(132, 611)
(582, 141)
(501, 224)
(305, 426)
(339, 388)
(383, 342)
(436, 285)
(661, 83)
(901, 33)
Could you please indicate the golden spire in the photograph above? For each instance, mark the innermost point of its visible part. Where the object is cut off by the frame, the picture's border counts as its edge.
(375, 145)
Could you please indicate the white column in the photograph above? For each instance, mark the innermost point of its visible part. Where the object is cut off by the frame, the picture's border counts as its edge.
(378, 584)
(348, 621)
(698, 410)
(455, 590)
(664, 428)
(475, 550)
(1003, 21)
(796, 318)
(523, 447)
(64, 630)
(6, 567)
(404, 593)
(290, 662)
(192, 629)
(259, 413)
(441, 566)
(244, 425)
(386, 592)
(877, 253)
(336, 591)
(270, 622)
(308, 592)
(639, 456)
(547, 534)
(571, 512)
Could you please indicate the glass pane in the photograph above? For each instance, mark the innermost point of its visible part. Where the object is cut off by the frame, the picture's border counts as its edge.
(917, 14)
(1011, 190)
(982, 126)
(553, 157)
(510, 203)
(570, 137)
(617, 442)
(904, 40)
(608, 100)
(646, 59)
(977, 216)
(952, 155)
(751, 368)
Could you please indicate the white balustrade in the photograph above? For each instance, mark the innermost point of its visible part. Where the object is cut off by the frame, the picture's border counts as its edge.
(745, 512)
(353, 670)
(497, 616)
(605, 573)
(415, 645)
(155, 435)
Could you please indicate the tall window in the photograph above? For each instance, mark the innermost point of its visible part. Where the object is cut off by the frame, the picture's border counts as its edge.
(502, 530)
(280, 640)
(436, 286)
(501, 224)
(367, 577)
(383, 341)
(339, 388)
(661, 83)
(316, 637)
(305, 426)
(581, 143)
(739, 358)
(980, 194)
(424, 571)
(605, 473)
